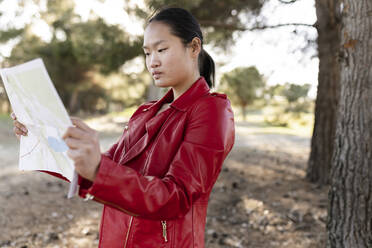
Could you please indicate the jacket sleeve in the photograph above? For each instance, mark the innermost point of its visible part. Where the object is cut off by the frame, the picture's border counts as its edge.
(84, 183)
(209, 137)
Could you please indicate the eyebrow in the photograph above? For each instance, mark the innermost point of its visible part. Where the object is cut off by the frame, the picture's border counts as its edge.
(154, 44)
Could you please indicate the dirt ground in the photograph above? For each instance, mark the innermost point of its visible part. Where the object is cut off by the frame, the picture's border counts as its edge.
(260, 200)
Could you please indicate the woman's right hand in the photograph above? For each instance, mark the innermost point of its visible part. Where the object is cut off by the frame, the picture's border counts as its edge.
(18, 129)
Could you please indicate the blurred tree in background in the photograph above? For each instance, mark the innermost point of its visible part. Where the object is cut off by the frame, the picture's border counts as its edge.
(218, 25)
(271, 93)
(289, 101)
(243, 85)
(297, 97)
(78, 50)
(82, 57)
(76, 53)
(295, 92)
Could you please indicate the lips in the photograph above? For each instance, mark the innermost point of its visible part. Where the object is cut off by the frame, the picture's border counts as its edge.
(156, 74)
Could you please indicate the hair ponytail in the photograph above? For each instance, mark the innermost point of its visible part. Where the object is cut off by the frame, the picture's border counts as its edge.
(184, 25)
(207, 67)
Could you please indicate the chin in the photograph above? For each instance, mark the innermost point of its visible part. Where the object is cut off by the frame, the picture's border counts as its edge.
(161, 83)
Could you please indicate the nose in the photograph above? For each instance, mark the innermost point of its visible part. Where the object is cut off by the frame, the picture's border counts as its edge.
(154, 61)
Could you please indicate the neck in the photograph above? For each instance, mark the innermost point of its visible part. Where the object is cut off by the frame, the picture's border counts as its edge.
(179, 90)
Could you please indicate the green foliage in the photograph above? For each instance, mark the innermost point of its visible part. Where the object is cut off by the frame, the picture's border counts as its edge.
(219, 24)
(77, 49)
(294, 92)
(273, 91)
(290, 102)
(279, 118)
(296, 96)
(93, 99)
(125, 90)
(9, 34)
(244, 85)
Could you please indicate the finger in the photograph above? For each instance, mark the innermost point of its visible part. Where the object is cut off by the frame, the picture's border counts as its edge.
(13, 116)
(73, 154)
(18, 131)
(75, 132)
(20, 126)
(79, 123)
(74, 143)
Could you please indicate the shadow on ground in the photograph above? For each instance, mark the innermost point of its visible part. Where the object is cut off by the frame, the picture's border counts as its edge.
(260, 200)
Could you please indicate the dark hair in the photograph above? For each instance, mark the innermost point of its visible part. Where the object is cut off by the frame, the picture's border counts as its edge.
(185, 26)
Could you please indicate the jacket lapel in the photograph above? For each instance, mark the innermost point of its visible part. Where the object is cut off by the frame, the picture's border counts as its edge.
(146, 118)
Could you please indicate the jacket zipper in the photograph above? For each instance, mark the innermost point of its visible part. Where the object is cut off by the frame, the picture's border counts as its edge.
(164, 224)
(130, 225)
(91, 197)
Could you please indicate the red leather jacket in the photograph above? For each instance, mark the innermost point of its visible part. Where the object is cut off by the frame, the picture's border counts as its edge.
(156, 180)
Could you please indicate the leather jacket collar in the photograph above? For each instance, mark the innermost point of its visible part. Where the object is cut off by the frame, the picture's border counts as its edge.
(198, 89)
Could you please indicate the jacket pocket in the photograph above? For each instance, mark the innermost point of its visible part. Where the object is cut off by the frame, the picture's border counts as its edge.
(147, 233)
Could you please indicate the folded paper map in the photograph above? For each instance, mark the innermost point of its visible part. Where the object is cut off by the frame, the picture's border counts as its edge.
(37, 105)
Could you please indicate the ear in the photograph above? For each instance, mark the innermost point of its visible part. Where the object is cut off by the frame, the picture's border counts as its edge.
(195, 46)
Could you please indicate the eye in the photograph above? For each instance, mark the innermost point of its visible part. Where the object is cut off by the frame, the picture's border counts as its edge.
(160, 50)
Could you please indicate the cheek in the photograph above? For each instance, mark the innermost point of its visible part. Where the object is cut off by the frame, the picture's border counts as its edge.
(175, 62)
(147, 63)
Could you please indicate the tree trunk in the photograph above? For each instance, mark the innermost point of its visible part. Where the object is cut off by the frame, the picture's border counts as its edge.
(244, 112)
(73, 105)
(349, 222)
(328, 25)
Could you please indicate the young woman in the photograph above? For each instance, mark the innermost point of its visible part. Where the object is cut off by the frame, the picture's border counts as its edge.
(156, 180)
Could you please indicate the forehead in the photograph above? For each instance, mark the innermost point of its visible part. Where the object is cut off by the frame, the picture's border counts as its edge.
(157, 33)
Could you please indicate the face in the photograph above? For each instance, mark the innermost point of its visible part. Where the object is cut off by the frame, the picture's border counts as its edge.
(169, 62)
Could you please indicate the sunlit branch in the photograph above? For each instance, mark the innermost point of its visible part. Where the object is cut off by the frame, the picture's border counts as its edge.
(288, 2)
(280, 25)
(258, 27)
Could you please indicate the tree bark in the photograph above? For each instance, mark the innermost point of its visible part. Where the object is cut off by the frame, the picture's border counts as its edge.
(349, 223)
(73, 105)
(328, 26)
(244, 112)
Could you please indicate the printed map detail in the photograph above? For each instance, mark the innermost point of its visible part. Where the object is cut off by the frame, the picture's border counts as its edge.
(37, 105)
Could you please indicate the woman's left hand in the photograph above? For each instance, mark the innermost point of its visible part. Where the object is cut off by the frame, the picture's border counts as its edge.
(84, 148)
